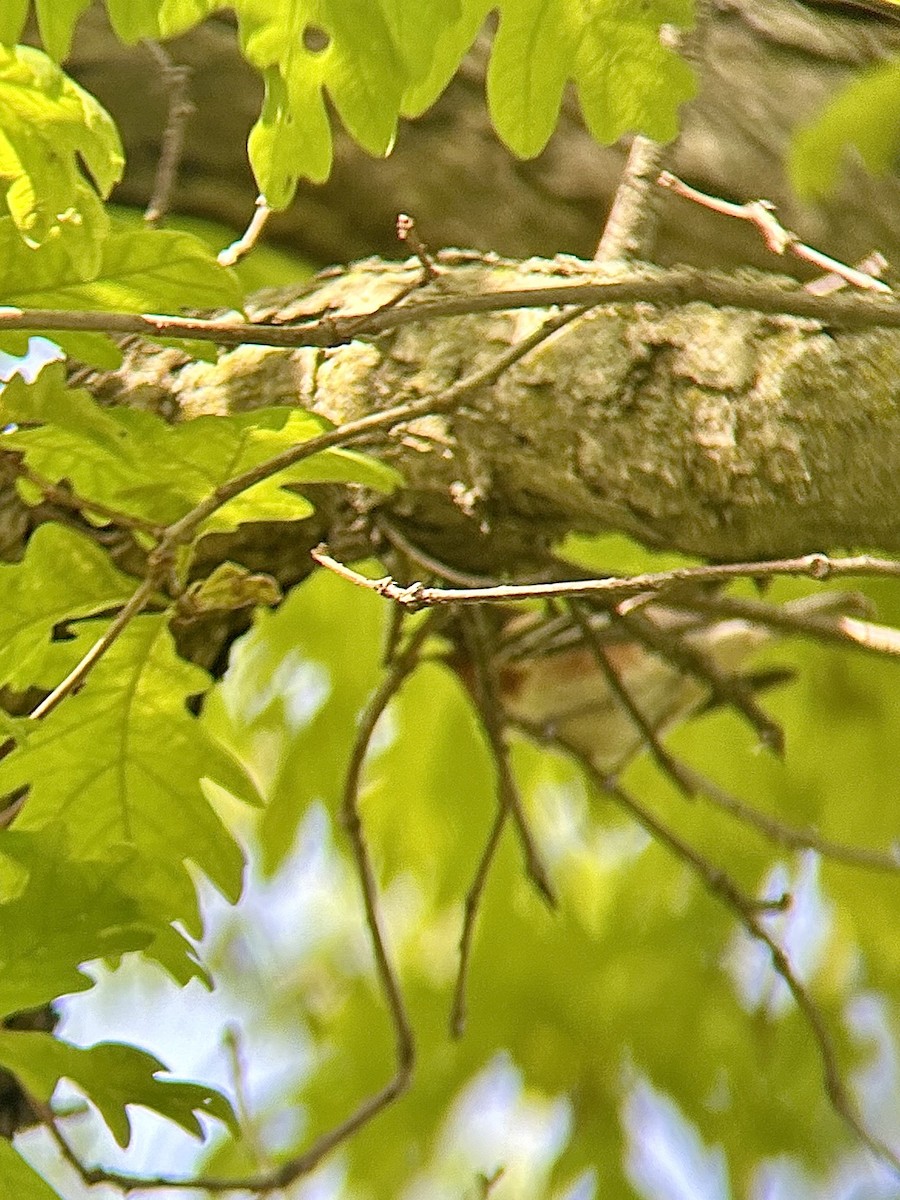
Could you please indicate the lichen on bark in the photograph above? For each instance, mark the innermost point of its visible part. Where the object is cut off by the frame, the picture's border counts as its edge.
(728, 434)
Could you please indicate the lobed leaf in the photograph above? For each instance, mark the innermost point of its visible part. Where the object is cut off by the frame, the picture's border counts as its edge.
(142, 465)
(46, 936)
(62, 577)
(120, 764)
(112, 1075)
(51, 125)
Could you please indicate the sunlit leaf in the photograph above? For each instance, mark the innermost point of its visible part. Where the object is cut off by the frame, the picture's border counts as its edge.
(112, 1076)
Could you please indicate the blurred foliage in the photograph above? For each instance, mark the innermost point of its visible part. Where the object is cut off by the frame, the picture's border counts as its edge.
(636, 972)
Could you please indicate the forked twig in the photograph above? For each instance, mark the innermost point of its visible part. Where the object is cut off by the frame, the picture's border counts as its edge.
(761, 214)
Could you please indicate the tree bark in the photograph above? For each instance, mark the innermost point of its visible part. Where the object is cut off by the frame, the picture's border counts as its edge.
(732, 435)
(766, 69)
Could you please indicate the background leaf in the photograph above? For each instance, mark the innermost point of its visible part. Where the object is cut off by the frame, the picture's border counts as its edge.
(112, 1076)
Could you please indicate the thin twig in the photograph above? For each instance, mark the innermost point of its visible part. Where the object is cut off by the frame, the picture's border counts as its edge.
(176, 78)
(509, 804)
(651, 584)
(726, 688)
(65, 497)
(458, 1007)
(779, 240)
(111, 635)
(665, 288)
(304, 1163)
(490, 709)
(407, 232)
(666, 761)
(839, 628)
(720, 885)
(630, 229)
(792, 838)
(244, 244)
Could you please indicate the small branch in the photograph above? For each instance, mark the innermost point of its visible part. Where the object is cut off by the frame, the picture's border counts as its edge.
(788, 836)
(79, 673)
(458, 1008)
(176, 79)
(304, 1163)
(630, 229)
(664, 288)
(778, 240)
(651, 584)
(509, 804)
(65, 497)
(490, 709)
(244, 244)
(666, 761)
(745, 910)
(407, 232)
(836, 627)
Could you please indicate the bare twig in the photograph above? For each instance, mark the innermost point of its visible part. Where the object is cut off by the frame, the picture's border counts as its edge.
(65, 497)
(746, 910)
(779, 240)
(509, 805)
(663, 287)
(111, 635)
(782, 834)
(244, 244)
(458, 1007)
(176, 79)
(653, 584)
(630, 229)
(407, 232)
(403, 665)
(490, 709)
(666, 761)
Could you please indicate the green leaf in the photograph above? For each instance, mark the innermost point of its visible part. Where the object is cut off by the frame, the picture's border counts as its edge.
(134, 19)
(62, 577)
(112, 1075)
(49, 126)
(291, 698)
(120, 764)
(19, 1179)
(863, 114)
(13, 15)
(43, 942)
(627, 81)
(449, 41)
(140, 464)
(134, 270)
(359, 67)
